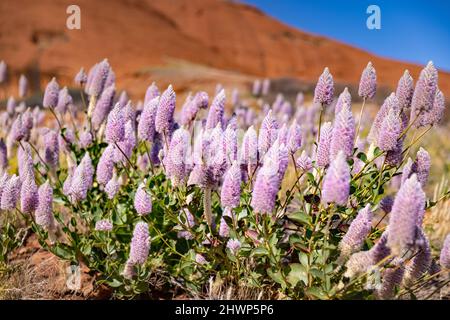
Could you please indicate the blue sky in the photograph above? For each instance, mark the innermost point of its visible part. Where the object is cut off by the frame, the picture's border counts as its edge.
(411, 30)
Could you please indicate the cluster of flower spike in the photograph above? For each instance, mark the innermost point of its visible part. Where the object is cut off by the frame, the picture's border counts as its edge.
(207, 146)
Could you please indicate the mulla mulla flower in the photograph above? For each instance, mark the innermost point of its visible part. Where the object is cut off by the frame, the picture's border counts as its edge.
(105, 167)
(324, 90)
(358, 231)
(405, 90)
(64, 100)
(146, 126)
(165, 111)
(231, 187)
(99, 78)
(267, 133)
(10, 193)
(294, 137)
(151, 93)
(44, 210)
(421, 261)
(336, 183)
(424, 93)
(103, 225)
(344, 99)
(103, 106)
(115, 125)
(140, 244)
(81, 77)
(142, 201)
(23, 86)
(28, 195)
(408, 206)
(390, 131)
(51, 94)
(323, 149)
(444, 258)
(343, 135)
(216, 111)
(304, 162)
(422, 166)
(368, 82)
(176, 159)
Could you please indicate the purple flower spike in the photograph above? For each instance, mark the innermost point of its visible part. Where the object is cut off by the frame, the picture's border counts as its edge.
(437, 113)
(343, 134)
(112, 187)
(115, 126)
(64, 100)
(11, 106)
(151, 93)
(231, 187)
(231, 143)
(425, 91)
(294, 138)
(99, 78)
(444, 259)
(105, 165)
(103, 106)
(23, 86)
(44, 211)
(368, 82)
(28, 195)
(216, 111)
(422, 166)
(256, 90)
(267, 182)
(249, 152)
(103, 225)
(420, 263)
(10, 193)
(391, 279)
(304, 162)
(391, 103)
(324, 90)
(176, 159)
(51, 94)
(265, 87)
(81, 77)
(336, 184)
(82, 179)
(345, 99)
(140, 244)
(3, 155)
(405, 90)
(358, 231)
(3, 72)
(146, 125)
(18, 129)
(408, 206)
(323, 150)
(267, 133)
(142, 201)
(164, 113)
(51, 151)
(390, 131)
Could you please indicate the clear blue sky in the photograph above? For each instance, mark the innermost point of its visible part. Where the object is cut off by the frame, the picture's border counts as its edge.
(411, 30)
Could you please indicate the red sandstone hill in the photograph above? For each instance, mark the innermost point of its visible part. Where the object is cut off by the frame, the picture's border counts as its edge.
(137, 35)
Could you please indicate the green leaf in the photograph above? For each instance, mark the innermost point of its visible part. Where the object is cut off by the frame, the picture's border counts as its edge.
(300, 217)
(260, 251)
(297, 273)
(317, 292)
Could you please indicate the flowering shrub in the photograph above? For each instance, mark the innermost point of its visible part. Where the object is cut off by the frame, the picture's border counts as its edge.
(266, 200)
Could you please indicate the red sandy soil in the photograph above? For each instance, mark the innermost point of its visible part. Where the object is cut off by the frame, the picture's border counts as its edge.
(137, 35)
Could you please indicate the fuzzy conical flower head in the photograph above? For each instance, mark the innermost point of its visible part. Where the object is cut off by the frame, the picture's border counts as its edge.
(51, 94)
(336, 184)
(164, 113)
(425, 91)
(390, 131)
(408, 206)
(343, 134)
(146, 126)
(368, 82)
(405, 90)
(444, 258)
(44, 211)
(231, 187)
(115, 126)
(344, 99)
(216, 111)
(140, 244)
(358, 231)
(28, 195)
(323, 150)
(324, 90)
(142, 201)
